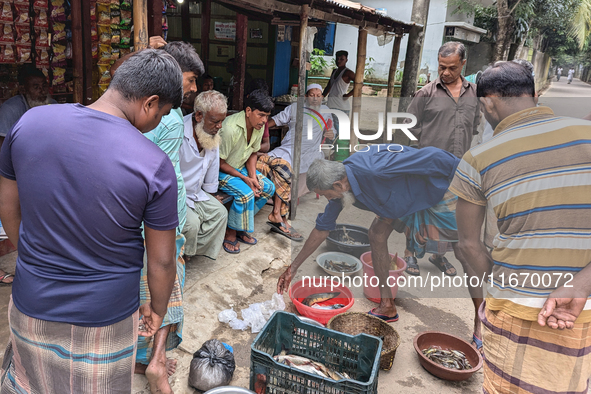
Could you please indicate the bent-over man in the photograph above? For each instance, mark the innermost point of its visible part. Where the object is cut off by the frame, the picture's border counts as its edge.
(391, 181)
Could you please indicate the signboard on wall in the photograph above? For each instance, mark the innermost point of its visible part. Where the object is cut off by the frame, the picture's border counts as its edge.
(256, 33)
(225, 30)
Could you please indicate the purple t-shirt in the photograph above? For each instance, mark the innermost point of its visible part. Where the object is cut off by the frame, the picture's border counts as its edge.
(86, 181)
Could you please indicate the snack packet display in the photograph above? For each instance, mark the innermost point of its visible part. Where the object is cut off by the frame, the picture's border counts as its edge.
(58, 12)
(42, 40)
(59, 32)
(23, 54)
(42, 58)
(6, 13)
(7, 54)
(41, 19)
(23, 35)
(22, 15)
(59, 76)
(59, 55)
(7, 36)
(104, 55)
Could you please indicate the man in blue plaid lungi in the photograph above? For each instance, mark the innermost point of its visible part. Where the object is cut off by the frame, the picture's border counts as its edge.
(241, 136)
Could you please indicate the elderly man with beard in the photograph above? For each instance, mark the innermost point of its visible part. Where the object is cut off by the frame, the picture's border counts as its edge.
(34, 92)
(393, 182)
(200, 165)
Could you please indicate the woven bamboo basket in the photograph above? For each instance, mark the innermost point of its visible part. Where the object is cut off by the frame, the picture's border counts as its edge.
(354, 323)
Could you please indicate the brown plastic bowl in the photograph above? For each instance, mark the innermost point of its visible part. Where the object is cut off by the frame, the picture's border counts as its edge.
(447, 342)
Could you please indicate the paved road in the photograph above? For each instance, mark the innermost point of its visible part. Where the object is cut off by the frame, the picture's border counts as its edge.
(568, 99)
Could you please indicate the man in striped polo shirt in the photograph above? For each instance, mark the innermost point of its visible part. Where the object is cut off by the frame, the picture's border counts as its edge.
(536, 174)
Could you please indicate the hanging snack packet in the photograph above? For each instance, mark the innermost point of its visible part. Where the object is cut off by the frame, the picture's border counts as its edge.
(115, 36)
(40, 5)
(41, 19)
(104, 55)
(105, 78)
(8, 54)
(104, 34)
(92, 13)
(125, 19)
(23, 54)
(6, 13)
(103, 13)
(94, 32)
(58, 12)
(115, 18)
(125, 5)
(20, 2)
(7, 36)
(124, 51)
(94, 48)
(125, 37)
(59, 77)
(42, 58)
(114, 54)
(114, 5)
(22, 15)
(59, 55)
(59, 32)
(23, 35)
(106, 2)
(42, 40)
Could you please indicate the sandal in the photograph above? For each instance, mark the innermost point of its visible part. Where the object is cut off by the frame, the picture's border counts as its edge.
(233, 243)
(277, 228)
(240, 236)
(443, 265)
(6, 276)
(411, 262)
(478, 342)
(387, 319)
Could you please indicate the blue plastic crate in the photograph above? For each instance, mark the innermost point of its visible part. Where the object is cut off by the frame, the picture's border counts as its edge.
(358, 356)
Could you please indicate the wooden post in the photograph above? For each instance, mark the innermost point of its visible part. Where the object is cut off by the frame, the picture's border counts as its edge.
(185, 21)
(77, 51)
(392, 80)
(297, 145)
(412, 62)
(140, 24)
(358, 86)
(86, 54)
(205, 26)
(240, 62)
(155, 18)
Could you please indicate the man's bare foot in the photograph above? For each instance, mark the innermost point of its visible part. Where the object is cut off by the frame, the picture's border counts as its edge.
(140, 368)
(6, 278)
(157, 375)
(230, 240)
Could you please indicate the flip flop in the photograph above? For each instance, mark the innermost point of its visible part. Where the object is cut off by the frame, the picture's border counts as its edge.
(233, 243)
(411, 262)
(385, 318)
(443, 266)
(477, 341)
(5, 276)
(276, 228)
(240, 237)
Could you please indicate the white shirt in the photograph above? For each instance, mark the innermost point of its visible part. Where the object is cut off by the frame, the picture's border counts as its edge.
(310, 147)
(337, 90)
(200, 173)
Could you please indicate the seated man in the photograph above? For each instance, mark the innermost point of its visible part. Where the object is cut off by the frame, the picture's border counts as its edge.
(207, 83)
(241, 139)
(200, 166)
(34, 91)
(321, 129)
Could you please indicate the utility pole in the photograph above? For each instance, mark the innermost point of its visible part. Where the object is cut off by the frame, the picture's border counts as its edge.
(414, 49)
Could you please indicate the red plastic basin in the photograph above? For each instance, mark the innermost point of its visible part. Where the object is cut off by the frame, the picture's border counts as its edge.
(373, 293)
(297, 293)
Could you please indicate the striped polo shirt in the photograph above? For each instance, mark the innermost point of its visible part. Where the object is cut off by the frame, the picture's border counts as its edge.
(536, 174)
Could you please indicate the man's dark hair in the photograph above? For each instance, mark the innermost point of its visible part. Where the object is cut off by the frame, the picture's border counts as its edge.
(259, 99)
(150, 72)
(256, 84)
(207, 76)
(184, 53)
(453, 48)
(506, 79)
(340, 53)
(28, 71)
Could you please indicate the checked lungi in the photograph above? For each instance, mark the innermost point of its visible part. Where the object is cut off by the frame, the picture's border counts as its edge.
(431, 230)
(174, 310)
(279, 172)
(52, 357)
(245, 205)
(523, 357)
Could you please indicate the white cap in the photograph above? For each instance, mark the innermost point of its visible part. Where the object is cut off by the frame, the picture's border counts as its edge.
(313, 86)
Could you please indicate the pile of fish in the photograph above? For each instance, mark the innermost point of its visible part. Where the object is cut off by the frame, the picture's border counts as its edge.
(452, 359)
(340, 266)
(346, 239)
(314, 299)
(307, 365)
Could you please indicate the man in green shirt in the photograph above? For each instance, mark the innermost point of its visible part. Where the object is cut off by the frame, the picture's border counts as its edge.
(241, 140)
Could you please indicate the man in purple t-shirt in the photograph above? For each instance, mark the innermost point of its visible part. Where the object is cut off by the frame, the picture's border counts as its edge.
(76, 183)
